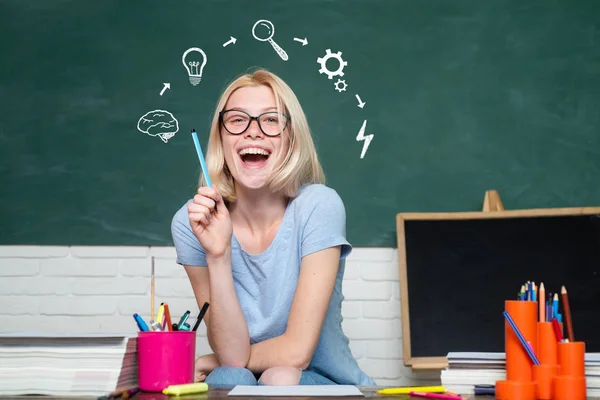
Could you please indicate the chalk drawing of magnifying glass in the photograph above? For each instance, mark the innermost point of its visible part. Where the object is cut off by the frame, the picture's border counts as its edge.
(263, 31)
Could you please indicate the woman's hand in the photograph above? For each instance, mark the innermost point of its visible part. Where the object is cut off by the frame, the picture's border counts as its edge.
(212, 227)
(204, 366)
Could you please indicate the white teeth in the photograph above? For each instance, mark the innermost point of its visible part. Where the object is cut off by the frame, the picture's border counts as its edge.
(253, 150)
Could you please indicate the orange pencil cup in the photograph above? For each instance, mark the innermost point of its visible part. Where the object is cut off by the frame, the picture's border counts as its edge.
(519, 383)
(544, 375)
(570, 384)
(547, 354)
(547, 344)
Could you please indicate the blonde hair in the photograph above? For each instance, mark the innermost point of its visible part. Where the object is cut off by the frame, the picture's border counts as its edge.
(299, 166)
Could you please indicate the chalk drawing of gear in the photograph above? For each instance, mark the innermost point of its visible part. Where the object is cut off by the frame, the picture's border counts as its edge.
(340, 85)
(323, 62)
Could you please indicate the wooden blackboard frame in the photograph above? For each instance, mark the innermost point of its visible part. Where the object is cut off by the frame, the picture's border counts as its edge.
(492, 208)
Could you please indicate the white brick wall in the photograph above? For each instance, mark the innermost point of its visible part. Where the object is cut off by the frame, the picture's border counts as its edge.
(97, 289)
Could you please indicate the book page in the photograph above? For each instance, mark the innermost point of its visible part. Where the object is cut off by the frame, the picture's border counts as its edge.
(298, 390)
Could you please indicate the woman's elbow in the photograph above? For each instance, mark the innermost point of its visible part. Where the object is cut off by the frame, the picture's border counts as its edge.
(300, 359)
(238, 362)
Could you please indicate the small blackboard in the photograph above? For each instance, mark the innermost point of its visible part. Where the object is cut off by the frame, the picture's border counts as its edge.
(457, 270)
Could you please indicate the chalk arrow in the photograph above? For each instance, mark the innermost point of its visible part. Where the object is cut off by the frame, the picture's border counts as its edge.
(167, 86)
(367, 138)
(360, 102)
(230, 41)
(303, 41)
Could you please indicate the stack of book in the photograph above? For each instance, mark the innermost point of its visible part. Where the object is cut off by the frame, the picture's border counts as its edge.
(465, 370)
(86, 365)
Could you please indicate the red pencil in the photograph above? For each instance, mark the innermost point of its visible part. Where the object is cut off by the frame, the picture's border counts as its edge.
(556, 327)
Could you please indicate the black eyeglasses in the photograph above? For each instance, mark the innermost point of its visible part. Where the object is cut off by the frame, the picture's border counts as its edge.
(236, 122)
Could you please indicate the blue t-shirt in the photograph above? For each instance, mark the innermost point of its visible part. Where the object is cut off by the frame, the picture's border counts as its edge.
(265, 283)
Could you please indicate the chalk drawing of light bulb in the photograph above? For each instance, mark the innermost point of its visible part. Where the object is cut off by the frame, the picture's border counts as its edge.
(263, 31)
(194, 61)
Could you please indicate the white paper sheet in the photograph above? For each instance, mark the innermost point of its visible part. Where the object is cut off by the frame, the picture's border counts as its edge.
(299, 390)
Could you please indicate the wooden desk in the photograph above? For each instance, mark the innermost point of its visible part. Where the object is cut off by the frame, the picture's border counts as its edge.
(221, 394)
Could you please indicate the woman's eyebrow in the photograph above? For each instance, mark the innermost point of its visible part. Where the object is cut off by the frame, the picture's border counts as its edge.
(246, 110)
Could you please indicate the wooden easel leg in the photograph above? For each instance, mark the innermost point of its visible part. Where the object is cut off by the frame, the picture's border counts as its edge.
(492, 202)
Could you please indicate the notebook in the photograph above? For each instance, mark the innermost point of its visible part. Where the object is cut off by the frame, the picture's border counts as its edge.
(65, 365)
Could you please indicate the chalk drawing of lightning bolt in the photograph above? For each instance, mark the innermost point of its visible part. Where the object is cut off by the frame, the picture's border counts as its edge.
(367, 139)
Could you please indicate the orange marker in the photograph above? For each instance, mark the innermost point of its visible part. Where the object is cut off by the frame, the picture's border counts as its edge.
(168, 317)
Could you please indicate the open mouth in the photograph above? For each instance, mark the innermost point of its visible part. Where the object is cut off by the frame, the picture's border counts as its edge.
(254, 157)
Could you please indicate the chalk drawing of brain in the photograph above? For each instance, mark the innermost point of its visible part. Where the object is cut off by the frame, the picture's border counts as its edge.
(159, 123)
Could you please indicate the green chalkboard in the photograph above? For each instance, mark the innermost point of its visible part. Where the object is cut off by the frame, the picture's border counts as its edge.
(461, 96)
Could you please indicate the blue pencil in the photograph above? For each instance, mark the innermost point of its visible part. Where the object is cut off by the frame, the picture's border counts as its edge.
(521, 338)
(201, 158)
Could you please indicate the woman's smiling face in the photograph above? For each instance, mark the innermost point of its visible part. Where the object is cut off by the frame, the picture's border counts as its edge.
(252, 156)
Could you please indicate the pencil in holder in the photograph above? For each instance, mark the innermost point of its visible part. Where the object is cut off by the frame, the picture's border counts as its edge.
(570, 384)
(519, 383)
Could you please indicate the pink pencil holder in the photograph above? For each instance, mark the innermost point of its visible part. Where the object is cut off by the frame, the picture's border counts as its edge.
(165, 358)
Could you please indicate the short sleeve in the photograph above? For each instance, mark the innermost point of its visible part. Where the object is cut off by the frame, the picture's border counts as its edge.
(188, 248)
(326, 223)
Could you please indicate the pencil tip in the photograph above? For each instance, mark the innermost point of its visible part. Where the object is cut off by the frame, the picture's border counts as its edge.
(542, 285)
(563, 289)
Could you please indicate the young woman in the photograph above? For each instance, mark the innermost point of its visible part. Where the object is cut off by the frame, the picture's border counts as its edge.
(266, 246)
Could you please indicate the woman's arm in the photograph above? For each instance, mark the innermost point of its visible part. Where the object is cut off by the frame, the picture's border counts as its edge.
(226, 326)
(205, 365)
(297, 345)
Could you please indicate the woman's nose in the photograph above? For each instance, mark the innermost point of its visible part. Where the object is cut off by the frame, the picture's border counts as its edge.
(254, 129)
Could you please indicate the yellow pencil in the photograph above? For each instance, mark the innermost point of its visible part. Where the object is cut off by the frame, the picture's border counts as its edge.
(407, 390)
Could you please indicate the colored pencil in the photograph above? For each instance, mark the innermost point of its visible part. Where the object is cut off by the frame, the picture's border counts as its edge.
(201, 158)
(435, 396)
(521, 338)
(567, 311)
(408, 389)
(152, 290)
(542, 302)
(522, 293)
(557, 332)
